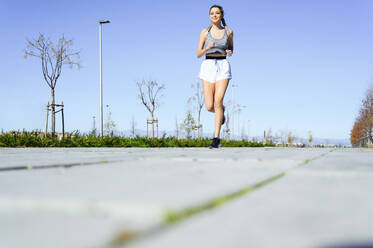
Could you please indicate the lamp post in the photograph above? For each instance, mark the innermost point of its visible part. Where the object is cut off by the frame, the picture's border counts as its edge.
(101, 98)
(248, 130)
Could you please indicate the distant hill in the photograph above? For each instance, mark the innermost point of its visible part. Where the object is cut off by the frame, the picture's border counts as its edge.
(343, 142)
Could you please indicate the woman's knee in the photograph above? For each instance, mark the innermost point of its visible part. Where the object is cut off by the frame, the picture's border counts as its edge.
(210, 107)
(218, 104)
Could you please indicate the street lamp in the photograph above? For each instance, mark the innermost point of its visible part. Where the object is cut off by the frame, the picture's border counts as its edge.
(101, 98)
(248, 130)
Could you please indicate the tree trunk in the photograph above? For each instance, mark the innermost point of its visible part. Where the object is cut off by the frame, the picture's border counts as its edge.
(53, 110)
(152, 126)
(199, 124)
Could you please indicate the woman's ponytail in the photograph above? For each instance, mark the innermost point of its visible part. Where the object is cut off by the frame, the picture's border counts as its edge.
(223, 22)
(209, 27)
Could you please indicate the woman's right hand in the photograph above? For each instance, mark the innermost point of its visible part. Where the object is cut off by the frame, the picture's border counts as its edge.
(210, 45)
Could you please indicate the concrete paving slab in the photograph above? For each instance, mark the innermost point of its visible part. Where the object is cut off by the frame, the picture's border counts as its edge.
(129, 189)
(57, 231)
(45, 156)
(305, 208)
(170, 180)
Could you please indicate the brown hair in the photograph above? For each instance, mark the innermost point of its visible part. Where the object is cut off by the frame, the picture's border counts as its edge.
(222, 19)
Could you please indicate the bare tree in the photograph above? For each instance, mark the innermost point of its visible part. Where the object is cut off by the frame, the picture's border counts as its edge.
(244, 136)
(109, 124)
(282, 136)
(226, 129)
(198, 98)
(133, 127)
(53, 57)
(238, 109)
(277, 138)
(94, 129)
(151, 98)
(176, 128)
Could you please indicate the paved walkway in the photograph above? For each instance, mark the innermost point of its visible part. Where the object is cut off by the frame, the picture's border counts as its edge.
(192, 197)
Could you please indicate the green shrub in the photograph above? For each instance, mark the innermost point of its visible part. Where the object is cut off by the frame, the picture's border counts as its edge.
(75, 139)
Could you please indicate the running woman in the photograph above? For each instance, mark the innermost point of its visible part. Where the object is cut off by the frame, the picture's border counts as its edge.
(216, 42)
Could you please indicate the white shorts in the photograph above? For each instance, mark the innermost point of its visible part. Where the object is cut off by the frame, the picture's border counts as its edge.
(213, 70)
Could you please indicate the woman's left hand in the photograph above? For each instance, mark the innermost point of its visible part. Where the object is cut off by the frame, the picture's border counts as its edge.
(229, 52)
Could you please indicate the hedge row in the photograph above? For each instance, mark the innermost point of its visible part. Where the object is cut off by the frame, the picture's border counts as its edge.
(37, 139)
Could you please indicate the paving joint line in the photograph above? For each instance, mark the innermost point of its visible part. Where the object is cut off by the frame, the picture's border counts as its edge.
(52, 166)
(172, 217)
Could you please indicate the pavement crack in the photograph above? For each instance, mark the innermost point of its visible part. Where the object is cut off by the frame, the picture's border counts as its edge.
(171, 217)
(307, 161)
(51, 166)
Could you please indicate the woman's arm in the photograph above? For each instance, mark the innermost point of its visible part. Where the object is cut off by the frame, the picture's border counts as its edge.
(201, 43)
(229, 51)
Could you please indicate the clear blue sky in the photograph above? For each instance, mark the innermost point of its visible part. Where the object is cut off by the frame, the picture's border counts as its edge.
(299, 65)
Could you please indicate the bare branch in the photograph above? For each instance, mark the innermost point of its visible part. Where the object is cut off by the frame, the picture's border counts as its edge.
(150, 101)
(142, 96)
(53, 57)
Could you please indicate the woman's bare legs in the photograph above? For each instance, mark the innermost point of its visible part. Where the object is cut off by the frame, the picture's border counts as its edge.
(220, 88)
(208, 92)
(214, 95)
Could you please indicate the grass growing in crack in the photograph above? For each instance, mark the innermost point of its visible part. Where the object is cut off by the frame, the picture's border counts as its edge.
(311, 159)
(171, 216)
(122, 238)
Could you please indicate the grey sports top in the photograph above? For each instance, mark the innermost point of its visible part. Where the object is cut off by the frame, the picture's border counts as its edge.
(220, 45)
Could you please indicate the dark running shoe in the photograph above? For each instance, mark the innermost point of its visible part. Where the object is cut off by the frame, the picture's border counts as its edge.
(223, 121)
(215, 143)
